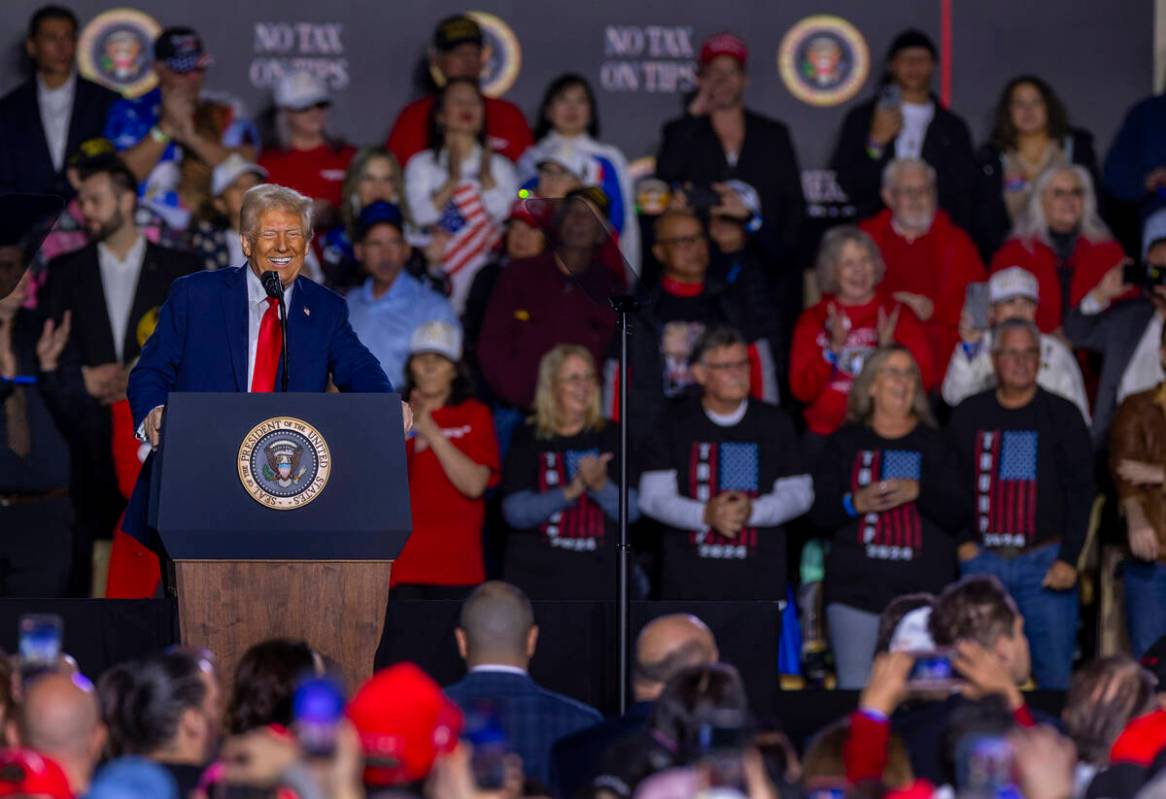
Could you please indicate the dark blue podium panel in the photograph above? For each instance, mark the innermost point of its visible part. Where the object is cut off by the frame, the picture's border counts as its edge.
(282, 477)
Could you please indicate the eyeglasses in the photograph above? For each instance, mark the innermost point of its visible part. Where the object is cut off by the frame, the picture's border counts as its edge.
(323, 105)
(682, 241)
(1064, 194)
(728, 366)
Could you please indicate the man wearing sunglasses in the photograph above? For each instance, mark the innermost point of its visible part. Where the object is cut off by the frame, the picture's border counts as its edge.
(160, 131)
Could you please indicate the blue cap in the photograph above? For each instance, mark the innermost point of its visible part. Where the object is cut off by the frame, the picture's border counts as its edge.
(376, 213)
(132, 778)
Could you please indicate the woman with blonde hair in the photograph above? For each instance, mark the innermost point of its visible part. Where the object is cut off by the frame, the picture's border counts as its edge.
(1061, 239)
(885, 497)
(559, 492)
(373, 174)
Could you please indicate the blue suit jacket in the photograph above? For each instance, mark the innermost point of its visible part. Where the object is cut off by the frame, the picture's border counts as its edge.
(200, 344)
(533, 717)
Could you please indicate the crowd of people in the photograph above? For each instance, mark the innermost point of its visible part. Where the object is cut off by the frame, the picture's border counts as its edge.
(922, 443)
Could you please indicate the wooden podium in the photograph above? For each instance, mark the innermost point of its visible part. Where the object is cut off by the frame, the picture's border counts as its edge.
(282, 514)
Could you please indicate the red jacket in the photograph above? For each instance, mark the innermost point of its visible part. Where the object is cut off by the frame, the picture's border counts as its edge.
(824, 386)
(506, 129)
(1089, 262)
(939, 265)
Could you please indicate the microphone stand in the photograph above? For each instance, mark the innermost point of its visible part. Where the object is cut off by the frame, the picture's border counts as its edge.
(623, 305)
(274, 288)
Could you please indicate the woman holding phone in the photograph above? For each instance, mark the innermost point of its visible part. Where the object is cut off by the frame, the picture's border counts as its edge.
(884, 498)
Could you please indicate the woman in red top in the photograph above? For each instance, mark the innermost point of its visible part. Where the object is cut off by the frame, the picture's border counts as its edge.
(453, 459)
(306, 158)
(833, 338)
(1062, 241)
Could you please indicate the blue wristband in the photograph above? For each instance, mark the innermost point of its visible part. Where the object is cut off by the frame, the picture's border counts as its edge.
(848, 505)
(830, 356)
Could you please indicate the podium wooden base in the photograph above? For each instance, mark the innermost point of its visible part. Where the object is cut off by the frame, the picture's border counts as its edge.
(338, 607)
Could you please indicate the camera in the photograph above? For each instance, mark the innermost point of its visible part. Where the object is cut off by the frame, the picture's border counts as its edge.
(1144, 273)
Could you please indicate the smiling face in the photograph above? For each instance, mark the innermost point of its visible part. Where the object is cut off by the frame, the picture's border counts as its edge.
(723, 373)
(911, 198)
(855, 272)
(376, 182)
(277, 243)
(576, 386)
(462, 109)
(893, 388)
(1017, 360)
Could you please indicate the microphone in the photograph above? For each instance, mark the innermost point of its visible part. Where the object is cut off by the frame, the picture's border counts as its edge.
(274, 288)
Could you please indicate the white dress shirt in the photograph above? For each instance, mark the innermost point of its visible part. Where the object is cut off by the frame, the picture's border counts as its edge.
(1144, 371)
(256, 308)
(56, 109)
(119, 280)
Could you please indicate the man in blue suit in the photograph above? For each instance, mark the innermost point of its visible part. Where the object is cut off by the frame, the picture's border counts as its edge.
(219, 331)
(497, 637)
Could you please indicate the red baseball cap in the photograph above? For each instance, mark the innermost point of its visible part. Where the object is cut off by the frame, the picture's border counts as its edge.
(724, 44)
(404, 721)
(27, 773)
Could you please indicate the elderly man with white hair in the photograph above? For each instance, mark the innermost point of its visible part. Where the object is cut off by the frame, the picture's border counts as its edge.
(1012, 294)
(220, 331)
(930, 260)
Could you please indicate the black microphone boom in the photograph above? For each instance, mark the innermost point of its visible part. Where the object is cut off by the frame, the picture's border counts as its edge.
(274, 288)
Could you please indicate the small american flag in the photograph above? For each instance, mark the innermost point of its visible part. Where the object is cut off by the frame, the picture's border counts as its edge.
(474, 233)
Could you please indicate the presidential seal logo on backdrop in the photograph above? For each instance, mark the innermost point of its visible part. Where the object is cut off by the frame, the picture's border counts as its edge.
(116, 49)
(823, 60)
(501, 55)
(284, 463)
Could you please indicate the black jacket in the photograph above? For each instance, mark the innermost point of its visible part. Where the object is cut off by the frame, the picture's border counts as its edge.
(991, 223)
(691, 152)
(74, 284)
(947, 146)
(25, 163)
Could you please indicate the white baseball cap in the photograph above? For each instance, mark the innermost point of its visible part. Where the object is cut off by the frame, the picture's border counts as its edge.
(1012, 282)
(299, 90)
(229, 171)
(565, 154)
(912, 633)
(440, 337)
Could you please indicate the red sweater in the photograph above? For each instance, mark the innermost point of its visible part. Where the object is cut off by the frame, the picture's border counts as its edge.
(506, 129)
(1089, 262)
(824, 386)
(938, 265)
(317, 173)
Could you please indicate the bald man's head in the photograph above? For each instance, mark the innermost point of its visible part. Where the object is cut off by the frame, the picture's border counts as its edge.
(60, 718)
(666, 646)
(497, 626)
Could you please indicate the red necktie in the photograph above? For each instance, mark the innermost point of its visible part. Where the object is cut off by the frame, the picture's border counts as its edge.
(268, 348)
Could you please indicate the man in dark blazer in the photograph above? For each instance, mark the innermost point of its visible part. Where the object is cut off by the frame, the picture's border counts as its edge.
(110, 291)
(906, 121)
(497, 637)
(718, 139)
(664, 648)
(1120, 332)
(45, 119)
(219, 331)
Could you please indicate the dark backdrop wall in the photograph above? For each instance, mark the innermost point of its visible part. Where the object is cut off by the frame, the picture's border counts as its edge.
(640, 54)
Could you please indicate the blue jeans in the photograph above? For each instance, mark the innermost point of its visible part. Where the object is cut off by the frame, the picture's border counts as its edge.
(1145, 590)
(854, 634)
(1050, 617)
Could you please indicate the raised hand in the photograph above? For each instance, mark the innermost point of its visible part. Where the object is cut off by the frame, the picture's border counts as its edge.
(52, 341)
